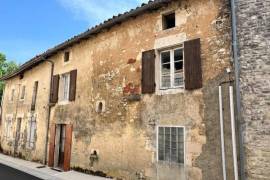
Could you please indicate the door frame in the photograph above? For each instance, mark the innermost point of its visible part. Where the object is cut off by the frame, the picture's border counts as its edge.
(54, 146)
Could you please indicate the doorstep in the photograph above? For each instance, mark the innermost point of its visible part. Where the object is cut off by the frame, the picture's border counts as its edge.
(43, 172)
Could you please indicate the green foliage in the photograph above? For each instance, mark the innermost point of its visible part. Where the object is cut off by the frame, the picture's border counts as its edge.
(6, 67)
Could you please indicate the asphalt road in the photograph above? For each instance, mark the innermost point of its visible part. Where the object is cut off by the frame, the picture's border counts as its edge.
(8, 173)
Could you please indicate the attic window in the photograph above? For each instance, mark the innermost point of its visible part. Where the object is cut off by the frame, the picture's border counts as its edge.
(168, 21)
(66, 56)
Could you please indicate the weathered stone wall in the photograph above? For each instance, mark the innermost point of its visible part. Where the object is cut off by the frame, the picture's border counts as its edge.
(22, 109)
(253, 25)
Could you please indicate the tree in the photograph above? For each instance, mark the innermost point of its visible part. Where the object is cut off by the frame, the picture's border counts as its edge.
(6, 67)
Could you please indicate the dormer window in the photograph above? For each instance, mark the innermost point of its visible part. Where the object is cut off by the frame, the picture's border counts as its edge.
(66, 56)
(168, 21)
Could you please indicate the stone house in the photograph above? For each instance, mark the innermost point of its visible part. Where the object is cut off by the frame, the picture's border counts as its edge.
(136, 97)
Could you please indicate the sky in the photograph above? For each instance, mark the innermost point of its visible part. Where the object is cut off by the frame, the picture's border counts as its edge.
(30, 27)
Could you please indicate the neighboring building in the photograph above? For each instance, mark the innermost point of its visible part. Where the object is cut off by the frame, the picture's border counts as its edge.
(134, 97)
(253, 23)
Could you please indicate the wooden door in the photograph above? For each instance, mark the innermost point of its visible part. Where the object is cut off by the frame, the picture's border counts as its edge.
(61, 149)
(52, 145)
(68, 143)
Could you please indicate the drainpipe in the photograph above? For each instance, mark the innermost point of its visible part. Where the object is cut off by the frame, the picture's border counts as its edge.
(48, 113)
(237, 87)
(235, 164)
(222, 133)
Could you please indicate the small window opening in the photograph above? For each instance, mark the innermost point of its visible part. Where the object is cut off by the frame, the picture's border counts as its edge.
(100, 107)
(169, 21)
(12, 95)
(23, 92)
(66, 56)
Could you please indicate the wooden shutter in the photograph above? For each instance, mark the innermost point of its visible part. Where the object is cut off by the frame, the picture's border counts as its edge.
(72, 87)
(192, 61)
(68, 143)
(148, 72)
(54, 89)
(52, 145)
(34, 96)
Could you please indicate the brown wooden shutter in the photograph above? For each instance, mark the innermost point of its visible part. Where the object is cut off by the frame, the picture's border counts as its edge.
(72, 87)
(52, 145)
(54, 89)
(34, 96)
(68, 143)
(148, 72)
(192, 61)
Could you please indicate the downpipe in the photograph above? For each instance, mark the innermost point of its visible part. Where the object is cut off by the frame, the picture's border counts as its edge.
(48, 114)
(237, 89)
(235, 164)
(222, 133)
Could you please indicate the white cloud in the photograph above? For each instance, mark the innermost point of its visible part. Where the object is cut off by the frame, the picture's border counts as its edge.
(95, 11)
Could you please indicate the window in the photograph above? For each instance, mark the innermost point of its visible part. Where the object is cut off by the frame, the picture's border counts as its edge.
(34, 96)
(171, 144)
(32, 126)
(8, 128)
(172, 68)
(168, 21)
(64, 84)
(12, 95)
(66, 56)
(22, 93)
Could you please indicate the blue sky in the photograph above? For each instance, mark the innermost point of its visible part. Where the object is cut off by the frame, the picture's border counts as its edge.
(30, 27)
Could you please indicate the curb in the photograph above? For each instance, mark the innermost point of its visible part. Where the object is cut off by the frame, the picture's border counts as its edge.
(30, 171)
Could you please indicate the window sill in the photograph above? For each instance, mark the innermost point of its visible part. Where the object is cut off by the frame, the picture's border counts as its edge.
(21, 100)
(66, 63)
(66, 102)
(175, 90)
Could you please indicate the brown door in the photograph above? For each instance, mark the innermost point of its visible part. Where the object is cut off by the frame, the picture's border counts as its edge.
(52, 145)
(68, 143)
(62, 140)
(60, 146)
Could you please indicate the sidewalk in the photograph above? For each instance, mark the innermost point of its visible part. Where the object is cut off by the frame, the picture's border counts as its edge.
(44, 173)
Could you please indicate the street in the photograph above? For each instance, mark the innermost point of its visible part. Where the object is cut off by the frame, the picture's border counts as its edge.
(8, 173)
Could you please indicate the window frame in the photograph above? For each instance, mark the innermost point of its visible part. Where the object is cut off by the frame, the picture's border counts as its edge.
(34, 95)
(61, 90)
(65, 56)
(157, 142)
(12, 94)
(8, 128)
(172, 70)
(164, 17)
(31, 142)
(23, 91)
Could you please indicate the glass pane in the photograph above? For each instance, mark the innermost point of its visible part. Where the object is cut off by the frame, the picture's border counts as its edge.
(173, 144)
(178, 66)
(161, 144)
(166, 81)
(178, 79)
(167, 144)
(165, 57)
(166, 68)
(178, 54)
(180, 145)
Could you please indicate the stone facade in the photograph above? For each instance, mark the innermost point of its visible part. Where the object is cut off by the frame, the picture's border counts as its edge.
(253, 19)
(123, 134)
